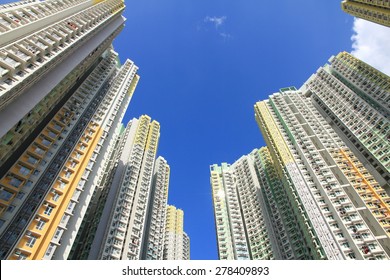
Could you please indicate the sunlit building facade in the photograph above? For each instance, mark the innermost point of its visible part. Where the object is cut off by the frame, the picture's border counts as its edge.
(47, 49)
(285, 235)
(50, 185)
(228, 225)
(377, 11)
(341, 210)
(176, 241)
(186, 247)
(242, 213)
(156, 221)
(121, 231)
(355, 99)
(63, 95)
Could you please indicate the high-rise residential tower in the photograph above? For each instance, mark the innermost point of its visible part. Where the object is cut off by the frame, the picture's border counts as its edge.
(232, 243)
(47, 49)
(177, 242)
(157, 211)
(47, 190)
(186, 247)
(377, 11)
(290, 243)
(342, 211)
(355, 99)
(249, 225)
(154, 222)
(63, 95)
(120, 233)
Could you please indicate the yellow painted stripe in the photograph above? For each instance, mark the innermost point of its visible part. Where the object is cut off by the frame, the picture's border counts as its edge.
(42, 243)
(274, 132)
(371, 188)
(72, 187)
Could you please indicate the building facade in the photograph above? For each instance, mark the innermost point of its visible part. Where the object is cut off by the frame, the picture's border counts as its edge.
(48, 188)
(59, 120)
(153, 223)
(341, 210)
(355, 99)
(176, 242)
(37, 38)
(287, 238)
(231, 239)
(248, 223)
(186, 247)
(377, 11)
(121, 231)
(156, 222)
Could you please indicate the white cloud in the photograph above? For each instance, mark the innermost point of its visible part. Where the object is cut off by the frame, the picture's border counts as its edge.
(371, 43)
(225, 35)
(217, 21)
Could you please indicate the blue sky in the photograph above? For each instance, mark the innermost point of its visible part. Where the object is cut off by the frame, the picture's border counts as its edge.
(203, 65)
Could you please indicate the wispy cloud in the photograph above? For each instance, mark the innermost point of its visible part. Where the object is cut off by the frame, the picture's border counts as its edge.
(225, 35)
(371, 43)
(218, 22)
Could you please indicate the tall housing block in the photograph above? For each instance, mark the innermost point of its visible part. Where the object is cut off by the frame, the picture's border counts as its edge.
(377, 11)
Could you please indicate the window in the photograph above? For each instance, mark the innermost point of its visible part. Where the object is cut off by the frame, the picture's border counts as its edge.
(352, 256)
(15, 182)
(48, 210)
(20, 195)
(32, 160)
(39, 151)
(40, 225)
(46, 142)
(22, 257)
(6, 195)
(28, 183)
(57, 127)
(68, 174)
(52, 134)
(30, 243)
(24, 170)
(1, 223)
(11, 208)
(61, 184)
(55, 197)
(64, 219)
(49, 249)
(58, 233)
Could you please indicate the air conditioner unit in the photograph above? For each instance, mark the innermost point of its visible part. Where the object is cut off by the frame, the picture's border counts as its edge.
(17, 252)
